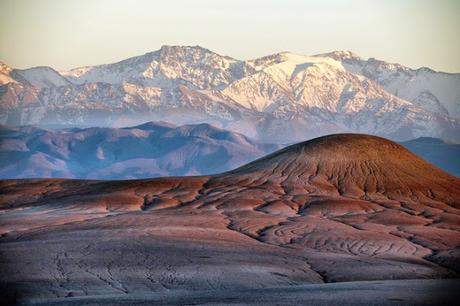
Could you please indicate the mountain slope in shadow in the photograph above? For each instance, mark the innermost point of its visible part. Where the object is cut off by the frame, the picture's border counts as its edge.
(149, 150)
(152, 149)
(438, 152)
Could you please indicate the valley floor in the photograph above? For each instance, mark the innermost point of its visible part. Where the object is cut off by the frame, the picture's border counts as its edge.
(389, 292)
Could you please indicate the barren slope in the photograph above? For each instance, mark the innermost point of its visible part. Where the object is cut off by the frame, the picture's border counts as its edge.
(338, 208)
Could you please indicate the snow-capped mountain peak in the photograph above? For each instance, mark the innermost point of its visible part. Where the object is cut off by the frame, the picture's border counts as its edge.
(433, 91)
(281, 97)
(341, 55)
(194, 66)
(5, 74)
(40, 77)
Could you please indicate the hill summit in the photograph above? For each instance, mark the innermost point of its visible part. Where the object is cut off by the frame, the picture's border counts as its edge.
(355, 165)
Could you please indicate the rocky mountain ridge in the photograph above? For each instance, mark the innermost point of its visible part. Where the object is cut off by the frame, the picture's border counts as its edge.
(283, 98)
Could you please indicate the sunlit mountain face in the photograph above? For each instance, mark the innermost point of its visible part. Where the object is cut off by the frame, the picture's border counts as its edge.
(281, 98)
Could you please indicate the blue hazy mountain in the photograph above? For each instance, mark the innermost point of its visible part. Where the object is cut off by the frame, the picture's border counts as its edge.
(148, 150)
(443, 154)
(153, 149)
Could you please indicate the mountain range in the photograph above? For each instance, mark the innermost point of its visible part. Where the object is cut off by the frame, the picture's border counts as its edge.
(153, 149)
(280, 98)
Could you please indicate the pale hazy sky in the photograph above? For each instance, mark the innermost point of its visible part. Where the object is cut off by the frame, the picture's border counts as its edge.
(67, 33)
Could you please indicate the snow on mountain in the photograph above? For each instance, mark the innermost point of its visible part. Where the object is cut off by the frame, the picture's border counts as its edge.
(5, 74)
(284, 97)
(192, 66)
(37, 76)
(434, 91)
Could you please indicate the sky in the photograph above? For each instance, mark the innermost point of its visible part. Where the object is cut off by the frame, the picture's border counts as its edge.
(65, 34)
